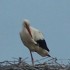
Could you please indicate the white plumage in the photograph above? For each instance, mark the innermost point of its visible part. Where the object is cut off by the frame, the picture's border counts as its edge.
(34, 40)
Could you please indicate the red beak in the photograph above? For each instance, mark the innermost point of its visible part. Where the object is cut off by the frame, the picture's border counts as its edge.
(28, 30)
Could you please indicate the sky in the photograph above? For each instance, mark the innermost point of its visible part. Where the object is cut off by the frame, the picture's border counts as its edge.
(51, 17)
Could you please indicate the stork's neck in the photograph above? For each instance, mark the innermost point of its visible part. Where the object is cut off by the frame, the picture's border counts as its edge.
(28, 29)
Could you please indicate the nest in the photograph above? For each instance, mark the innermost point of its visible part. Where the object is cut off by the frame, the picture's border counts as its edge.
(22, 65)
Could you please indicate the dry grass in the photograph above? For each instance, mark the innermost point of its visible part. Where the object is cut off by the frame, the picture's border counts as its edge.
(22, 65)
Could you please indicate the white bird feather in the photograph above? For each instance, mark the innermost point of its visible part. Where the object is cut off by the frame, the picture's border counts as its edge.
(35, 42)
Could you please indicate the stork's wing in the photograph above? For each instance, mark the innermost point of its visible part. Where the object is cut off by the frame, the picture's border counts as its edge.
(39, 38)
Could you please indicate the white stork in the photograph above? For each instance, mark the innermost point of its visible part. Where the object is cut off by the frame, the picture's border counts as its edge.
(34, 40)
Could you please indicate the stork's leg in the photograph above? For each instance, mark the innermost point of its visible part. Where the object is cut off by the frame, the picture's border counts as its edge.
(32, 58)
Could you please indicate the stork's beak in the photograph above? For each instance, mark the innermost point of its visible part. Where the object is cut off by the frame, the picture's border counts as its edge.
(27, 27)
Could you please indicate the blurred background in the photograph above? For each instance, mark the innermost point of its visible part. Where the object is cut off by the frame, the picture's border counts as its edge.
(52, 18)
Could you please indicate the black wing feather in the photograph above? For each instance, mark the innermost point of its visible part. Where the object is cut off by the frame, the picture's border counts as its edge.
(42, 44)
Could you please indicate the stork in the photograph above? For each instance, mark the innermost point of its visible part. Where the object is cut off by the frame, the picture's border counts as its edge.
(33, 39)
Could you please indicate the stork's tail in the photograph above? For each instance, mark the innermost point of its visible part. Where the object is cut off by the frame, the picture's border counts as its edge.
(51, 56)
(48, 55)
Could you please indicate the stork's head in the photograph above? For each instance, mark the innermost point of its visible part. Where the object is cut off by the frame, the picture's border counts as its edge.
(27, 25)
